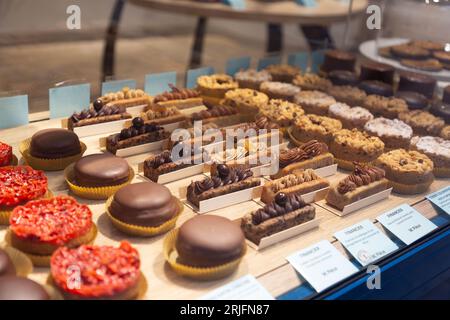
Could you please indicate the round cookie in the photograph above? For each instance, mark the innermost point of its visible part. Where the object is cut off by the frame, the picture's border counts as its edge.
(146, 204)
(102, 169)
(414, 100)
(209, 240)
(6, 265)
(18, 288)
(54, 144)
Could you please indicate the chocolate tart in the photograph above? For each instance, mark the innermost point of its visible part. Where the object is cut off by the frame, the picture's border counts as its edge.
(286, 211)
(54, 144)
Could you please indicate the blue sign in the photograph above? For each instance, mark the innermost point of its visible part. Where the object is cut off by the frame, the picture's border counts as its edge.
(68, 99)
(13, 111)
(299, 59)
(318, 57)
(237, 64)
(193, 74)
(156, 83)
(117, 85)
(235, 4)
(306, 3)
(267, 61)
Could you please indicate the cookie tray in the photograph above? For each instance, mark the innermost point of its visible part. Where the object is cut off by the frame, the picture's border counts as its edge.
(175, 175)
(131, 151)
(284, 235)
(226, 200)
(358, 204)
(99, 128)
(326, 171)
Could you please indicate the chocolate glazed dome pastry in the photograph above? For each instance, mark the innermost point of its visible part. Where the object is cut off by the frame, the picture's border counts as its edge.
(19, 288)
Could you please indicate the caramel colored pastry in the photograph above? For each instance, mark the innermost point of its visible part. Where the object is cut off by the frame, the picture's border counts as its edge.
(285, 212)
(139, 133)
(407, 51)
(226, 181)
(252, 78)
(281, 112)
(311, 81)
(422, 122)
(427, 44)
(314, 127)
(126, 98)
(432, 65)
(180, 98)
(352, 96)
(223, 114)
(442, 56)
(408, 172)
(311, 155)
(438, 150)
(381, 106)
(445, 133)
(364, 181)
(350, 118)
(315, 102)
(283, 72)
(339, 60)
(298, 182)
(158, 114)
(354, 145)
(93, 116)
(394, 133)
(245, 100)
(279, 90)
(215, 85)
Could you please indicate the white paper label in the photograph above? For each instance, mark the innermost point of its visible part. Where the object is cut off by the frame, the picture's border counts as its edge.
(441, 198)
(365, 242)
(245, 288)
(322, 265)
(406, 223)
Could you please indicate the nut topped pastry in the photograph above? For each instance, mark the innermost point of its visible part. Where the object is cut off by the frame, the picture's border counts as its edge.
(215, 86)
(408, 172)
(445, 133)
(245, 100)
(315, 102)
(227, 180)
(161, 115)
(354, 145)
(283, 72)
(279, 90)
(252, 78)
(352, 96)
(350, 118)
(281, 112)
(394, 133)
(385, 107)
(311, 81)
(314, 127)
(438, 150)
(125, 98)
(364, 181)
(180, 98)
(422, 122)
(284, 212)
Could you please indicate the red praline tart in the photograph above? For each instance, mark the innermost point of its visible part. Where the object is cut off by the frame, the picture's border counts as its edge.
(20, 184)
(5, 154)
(104, 272)
(42, 226)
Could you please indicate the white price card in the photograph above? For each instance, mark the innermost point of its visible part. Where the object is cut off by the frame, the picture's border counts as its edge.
(245, 288)
(406, 223)
(322, 265)
(441, 198)
(365, 242)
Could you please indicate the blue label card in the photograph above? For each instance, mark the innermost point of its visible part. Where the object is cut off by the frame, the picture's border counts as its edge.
(67, 99)
(299, 59)
(117, 85)
(13, 111)
(318, 57)
(365, 242)
(245, 288)
(322, 265)
(306, 3)
(235, 4)
(441, 198)
(237, 64)
(156, 83)
(406, 223)
(193, 74)
(267, 61)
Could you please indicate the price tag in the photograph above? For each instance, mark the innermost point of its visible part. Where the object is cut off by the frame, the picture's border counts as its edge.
(193, 74)
(322, 265)
(237, 64)
(406, 223)
(117, 85)
(299, 59)
(13, 111)
(365, 242)
(235, 4)
(318, 57)
(441, 198)
(267, 61)
(245, 288)
(306, 3)
(64, 101)
(157, 83)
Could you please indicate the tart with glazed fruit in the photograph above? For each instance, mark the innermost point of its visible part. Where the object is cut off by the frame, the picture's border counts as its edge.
(284, 212)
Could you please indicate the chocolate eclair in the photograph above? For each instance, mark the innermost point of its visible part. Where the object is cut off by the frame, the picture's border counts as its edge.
(227, 180)
(364, 181)
(284, 212)
(180, 98)
(311, 155)
(98, 114)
